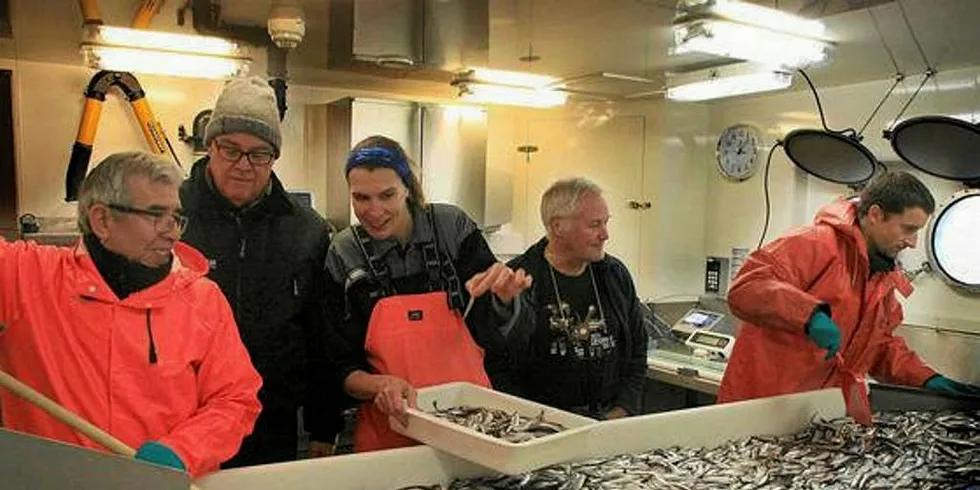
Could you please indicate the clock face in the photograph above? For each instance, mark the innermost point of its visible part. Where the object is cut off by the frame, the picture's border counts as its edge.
(738, 152)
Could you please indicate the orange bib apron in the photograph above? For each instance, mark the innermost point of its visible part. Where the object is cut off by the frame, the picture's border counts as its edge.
(418, 338)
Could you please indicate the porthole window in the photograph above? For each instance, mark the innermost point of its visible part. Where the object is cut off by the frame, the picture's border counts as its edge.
(953, 240)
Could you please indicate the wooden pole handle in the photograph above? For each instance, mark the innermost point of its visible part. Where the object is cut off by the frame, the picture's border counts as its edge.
(68, 417)
(64, 415)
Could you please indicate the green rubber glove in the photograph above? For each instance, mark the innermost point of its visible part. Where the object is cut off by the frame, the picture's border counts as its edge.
(824, 332)
(156, 453)
(942, 384)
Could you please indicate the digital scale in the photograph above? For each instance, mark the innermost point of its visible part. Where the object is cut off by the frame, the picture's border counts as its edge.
(711, 344)
(695, 330)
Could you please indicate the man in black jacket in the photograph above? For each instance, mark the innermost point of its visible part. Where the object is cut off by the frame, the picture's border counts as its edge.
(585, 350)
(265, 251)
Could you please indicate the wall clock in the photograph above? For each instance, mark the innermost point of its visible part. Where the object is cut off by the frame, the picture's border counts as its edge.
(738, 152)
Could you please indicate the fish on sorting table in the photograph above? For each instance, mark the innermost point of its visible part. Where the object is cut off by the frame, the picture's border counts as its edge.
(502, 424)
(908, 450)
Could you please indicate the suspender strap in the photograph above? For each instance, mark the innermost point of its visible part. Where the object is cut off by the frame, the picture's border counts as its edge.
(378, 268)
(438, 266)
(447, 271)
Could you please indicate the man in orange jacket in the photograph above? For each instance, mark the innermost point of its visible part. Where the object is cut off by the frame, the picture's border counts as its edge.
(124, 329)
(830, 288)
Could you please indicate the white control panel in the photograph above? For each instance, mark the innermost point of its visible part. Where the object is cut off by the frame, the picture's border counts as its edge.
(708, 344)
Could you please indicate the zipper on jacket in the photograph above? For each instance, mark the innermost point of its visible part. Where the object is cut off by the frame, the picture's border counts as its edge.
(149, 332)
(241, 264)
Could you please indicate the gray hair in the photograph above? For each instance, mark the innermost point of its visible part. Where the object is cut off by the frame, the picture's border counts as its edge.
(108, 182)
(561, 199)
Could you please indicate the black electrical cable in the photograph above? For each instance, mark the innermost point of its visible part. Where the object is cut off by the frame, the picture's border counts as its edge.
(765, 189)
(823, 119)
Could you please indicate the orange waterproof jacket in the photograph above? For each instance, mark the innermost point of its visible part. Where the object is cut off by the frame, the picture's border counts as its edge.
(68, 336)
(778, 289)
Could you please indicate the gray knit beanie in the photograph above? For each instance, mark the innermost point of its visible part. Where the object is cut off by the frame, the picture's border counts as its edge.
(247, 105)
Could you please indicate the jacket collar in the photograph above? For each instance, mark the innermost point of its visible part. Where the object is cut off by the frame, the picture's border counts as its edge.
(842, 216)
(188, 266)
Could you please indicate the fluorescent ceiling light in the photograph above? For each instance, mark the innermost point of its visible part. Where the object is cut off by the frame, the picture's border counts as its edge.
(163, 41)
(164, 53)
(725, 82)
(744, 42)
(511, 78)
(162, 62)
(757, 15)
(498, 94)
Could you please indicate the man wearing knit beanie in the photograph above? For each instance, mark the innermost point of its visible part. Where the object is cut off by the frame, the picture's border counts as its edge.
(265, 251)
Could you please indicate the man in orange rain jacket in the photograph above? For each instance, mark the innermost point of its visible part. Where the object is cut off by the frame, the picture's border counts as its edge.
(124, 329)
(829, 288)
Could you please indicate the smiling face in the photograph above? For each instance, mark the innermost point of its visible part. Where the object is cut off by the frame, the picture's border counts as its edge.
(380, 201)
(139, 236)
(583, 234)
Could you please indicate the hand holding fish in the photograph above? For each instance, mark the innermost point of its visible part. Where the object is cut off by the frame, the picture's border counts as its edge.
(391, 396)
(501, 280)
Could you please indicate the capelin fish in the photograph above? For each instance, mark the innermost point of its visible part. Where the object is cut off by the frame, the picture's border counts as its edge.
(907, 450)
(509, 426)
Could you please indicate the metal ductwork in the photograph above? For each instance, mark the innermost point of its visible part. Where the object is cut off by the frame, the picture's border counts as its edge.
(418, 39)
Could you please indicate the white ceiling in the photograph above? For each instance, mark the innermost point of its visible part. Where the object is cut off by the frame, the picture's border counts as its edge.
(632, 37)
(577, 37)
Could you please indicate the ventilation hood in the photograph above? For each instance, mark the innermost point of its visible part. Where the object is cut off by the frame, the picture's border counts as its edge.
(418, 39)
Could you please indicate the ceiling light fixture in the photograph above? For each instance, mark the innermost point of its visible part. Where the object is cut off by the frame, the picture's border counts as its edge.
(728, 81)
(479, 93)
(512, 78)
(487, 86)
(745, 42)
(756, 15)
(163, 53)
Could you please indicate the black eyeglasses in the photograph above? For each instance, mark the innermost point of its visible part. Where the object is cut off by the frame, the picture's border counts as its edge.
(258, 158)
(161, 219)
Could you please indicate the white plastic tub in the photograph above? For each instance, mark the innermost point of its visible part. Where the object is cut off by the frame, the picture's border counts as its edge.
(497, 454)
(421, 465)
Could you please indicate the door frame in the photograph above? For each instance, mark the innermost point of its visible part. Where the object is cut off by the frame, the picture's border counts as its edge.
(8, 171)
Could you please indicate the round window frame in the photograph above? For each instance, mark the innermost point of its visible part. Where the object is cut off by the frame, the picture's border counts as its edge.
(934, 262)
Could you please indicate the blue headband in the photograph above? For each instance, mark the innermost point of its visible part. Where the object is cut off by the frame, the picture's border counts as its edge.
(381, 157)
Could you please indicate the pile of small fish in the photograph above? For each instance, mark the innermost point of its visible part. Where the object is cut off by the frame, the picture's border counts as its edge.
(509, 426)
(906, 450)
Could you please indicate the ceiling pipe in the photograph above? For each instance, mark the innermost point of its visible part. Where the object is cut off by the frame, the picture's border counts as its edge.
(206, 19)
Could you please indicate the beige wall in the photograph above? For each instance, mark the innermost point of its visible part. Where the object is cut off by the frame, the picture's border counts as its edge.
(735, 210)
(664, 245)
(48, 106)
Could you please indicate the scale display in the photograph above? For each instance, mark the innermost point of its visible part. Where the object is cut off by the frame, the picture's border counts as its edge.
(712, 343)
(696, 319)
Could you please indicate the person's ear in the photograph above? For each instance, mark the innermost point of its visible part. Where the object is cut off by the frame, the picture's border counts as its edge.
(99, 216)
(876, 214)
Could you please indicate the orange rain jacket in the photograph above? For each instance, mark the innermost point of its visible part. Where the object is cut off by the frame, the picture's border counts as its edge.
(779, 287)
(68, 336)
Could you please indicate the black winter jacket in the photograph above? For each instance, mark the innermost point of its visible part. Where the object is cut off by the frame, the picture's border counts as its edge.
(266, 258)
(619, 384)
